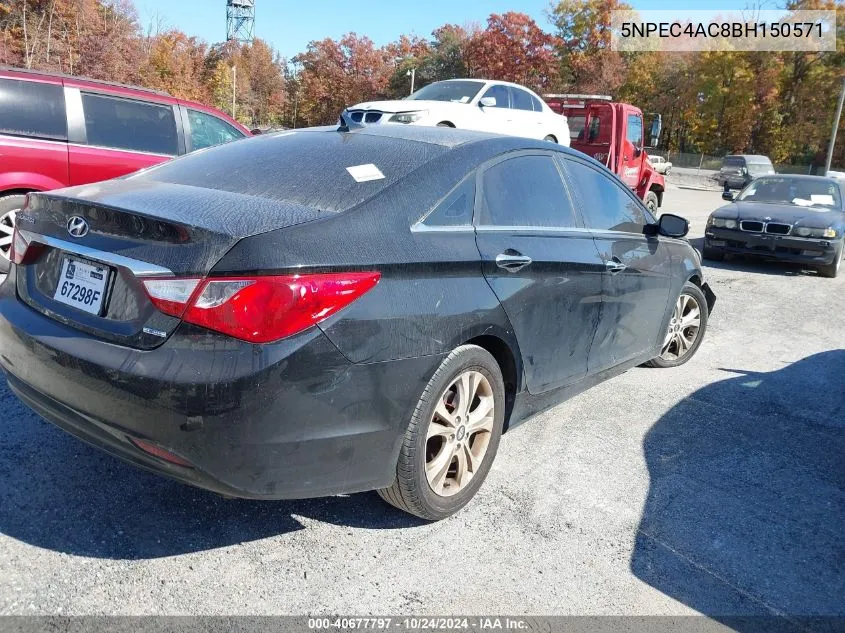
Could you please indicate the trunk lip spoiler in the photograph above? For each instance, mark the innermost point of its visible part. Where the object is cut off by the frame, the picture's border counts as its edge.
(135, 266)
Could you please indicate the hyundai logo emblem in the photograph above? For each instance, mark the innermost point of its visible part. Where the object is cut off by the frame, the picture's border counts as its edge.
(77, 226)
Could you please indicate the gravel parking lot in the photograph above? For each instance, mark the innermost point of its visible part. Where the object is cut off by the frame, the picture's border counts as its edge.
(716, 488)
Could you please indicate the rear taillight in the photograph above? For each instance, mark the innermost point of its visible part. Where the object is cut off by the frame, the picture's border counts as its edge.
(21, 251)
(259, 309)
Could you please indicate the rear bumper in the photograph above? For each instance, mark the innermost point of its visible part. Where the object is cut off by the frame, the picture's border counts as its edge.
(777, 247)
(293, 419)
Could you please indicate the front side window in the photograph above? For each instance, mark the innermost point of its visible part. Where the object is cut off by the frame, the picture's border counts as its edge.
(606, 204)
(32, 108)
(526, 191)
(521, 100)
(635, 130)
(500, 94)
(129, 125)
(208, 130)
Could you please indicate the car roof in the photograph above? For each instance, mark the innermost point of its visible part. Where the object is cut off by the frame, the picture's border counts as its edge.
(830, 179)
(110, 84)
(318, 167)
(752, 158)
(489, 81)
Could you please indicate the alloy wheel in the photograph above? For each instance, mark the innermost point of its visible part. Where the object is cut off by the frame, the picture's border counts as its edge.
(684, 328)
(459, 433)
(7, 228)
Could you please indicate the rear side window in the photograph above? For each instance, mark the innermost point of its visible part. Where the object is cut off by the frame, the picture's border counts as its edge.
(129, 125)
(526, 191)
(606, 204)
(32, 108)
(208, 130)
(538, 106)
(456, 208)
(521, 100)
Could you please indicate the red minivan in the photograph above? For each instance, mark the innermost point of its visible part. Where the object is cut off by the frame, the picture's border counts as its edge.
(59, 131)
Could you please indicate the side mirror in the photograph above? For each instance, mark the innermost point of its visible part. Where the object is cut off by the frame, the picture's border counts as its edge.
(255, 132)
(487, 102)
(728, 195)
(672, 225)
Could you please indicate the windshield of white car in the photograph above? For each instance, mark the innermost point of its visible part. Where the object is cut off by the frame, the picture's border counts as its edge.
(799, 192)
(456, 91)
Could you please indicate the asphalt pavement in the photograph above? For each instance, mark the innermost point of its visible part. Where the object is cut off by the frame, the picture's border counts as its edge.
(717, 488)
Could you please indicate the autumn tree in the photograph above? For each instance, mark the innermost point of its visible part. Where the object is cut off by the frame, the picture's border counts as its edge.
(513, 48)
(336, 74)
(587, 63)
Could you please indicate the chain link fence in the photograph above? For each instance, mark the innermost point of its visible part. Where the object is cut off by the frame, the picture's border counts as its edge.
(706, 163)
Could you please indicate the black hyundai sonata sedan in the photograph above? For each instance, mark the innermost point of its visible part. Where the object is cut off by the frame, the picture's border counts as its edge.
(319, 312)
(799, 219)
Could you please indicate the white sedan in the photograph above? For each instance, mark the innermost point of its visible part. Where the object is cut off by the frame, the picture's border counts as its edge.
(470, 104)
(660, 164)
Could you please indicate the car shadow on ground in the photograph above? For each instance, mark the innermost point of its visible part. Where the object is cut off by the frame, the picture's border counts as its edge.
(760, 266)
(745, 512)
(58, 493)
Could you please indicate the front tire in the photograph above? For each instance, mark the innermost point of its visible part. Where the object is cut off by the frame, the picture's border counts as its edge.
(9, 207)
(651, 201)
(550, 138)
(832, 270)
(712, 254)
(452, 438)
(686, 328)
(445, 124)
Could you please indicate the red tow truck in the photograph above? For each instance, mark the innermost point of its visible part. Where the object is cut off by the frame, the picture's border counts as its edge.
(613, 133)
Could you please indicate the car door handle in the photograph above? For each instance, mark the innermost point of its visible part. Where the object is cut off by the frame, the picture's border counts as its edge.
(614, 266)
(512, 262)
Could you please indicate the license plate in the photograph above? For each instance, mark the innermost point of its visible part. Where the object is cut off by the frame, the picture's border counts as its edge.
(82, 285)
(717, 243)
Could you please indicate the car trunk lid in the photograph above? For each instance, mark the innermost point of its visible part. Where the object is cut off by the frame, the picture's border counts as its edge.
(134, 230)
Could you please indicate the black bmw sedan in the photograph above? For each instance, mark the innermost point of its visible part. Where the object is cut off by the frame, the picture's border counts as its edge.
(319, 312)
(797, 219)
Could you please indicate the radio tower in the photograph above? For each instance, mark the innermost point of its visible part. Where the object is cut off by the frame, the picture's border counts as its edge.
(240, 20)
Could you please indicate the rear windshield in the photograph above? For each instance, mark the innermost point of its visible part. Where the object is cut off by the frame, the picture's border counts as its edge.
(324, 170)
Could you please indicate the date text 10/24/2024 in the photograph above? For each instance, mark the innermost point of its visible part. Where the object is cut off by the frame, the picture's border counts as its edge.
(418, 623)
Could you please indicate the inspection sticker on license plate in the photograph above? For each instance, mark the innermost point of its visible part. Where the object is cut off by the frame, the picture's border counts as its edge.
(82, 285)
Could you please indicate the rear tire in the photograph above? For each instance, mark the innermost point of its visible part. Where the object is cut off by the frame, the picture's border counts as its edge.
(832, 270)
(686, 328)
(651, 201)
(452, 438)
(9, 207)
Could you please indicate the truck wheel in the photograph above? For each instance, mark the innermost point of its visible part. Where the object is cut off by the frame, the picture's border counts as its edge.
(9, 207)
(452, 438)
(651, 201)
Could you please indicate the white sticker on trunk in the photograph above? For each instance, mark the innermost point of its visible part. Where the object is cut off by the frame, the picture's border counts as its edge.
(363, 173)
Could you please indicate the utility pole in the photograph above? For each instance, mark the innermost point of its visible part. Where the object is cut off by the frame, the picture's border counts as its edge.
(836, 118)
(412, 73)
(234, 87)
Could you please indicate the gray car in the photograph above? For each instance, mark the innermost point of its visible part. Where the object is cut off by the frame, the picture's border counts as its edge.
(739, 170)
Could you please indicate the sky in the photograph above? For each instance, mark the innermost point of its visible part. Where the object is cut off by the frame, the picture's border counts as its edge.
(290, 25)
